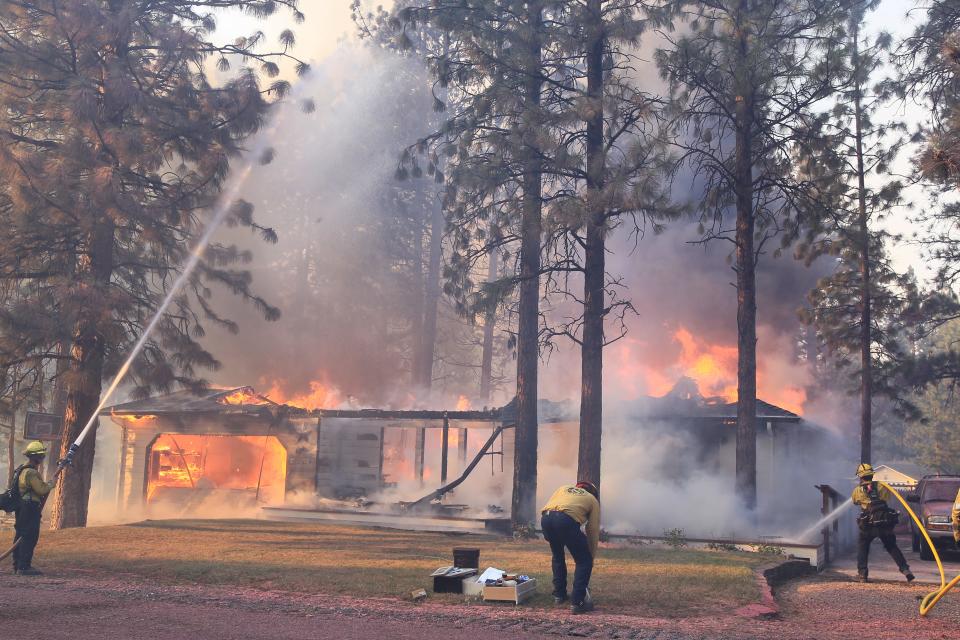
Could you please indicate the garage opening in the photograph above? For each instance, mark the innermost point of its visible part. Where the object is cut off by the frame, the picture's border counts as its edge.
(185, 470)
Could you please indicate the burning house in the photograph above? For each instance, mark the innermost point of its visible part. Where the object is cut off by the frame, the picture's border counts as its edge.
(245, 449)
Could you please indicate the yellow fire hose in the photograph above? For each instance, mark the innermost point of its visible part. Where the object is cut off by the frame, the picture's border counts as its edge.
(932, 598)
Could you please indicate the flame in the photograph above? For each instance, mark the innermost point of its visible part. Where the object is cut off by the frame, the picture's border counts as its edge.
(243, 396)
(463, 403)
(320, 396)
(713, 367)
(217, 462)
(134, 421)
(644, 368)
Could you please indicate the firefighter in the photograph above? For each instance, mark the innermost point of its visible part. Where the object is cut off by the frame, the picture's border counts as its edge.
(876, 520)
(955, 518)
(569, 508)
(33, 492)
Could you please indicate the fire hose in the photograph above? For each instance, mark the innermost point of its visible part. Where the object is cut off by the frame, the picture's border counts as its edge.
(932, 598)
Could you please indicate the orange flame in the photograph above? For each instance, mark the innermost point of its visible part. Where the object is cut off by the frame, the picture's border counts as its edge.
(320, 396)
(646, 369)
(242, 396)
(135, 421)
(463, 403)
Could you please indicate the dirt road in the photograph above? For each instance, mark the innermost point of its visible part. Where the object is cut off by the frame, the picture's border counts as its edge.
(79, 606)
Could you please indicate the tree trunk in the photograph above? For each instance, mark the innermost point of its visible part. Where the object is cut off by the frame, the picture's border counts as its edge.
(523, 508)
(489, 324)
(591, 356)
(95, 269)
(428, 343)
(866, 329)
(416, 328)
(746, 463)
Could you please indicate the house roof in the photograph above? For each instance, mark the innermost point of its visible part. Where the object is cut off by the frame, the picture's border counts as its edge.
(246, 401)
(229, 400)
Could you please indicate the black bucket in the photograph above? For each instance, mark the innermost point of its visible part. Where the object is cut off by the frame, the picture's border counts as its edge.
(466, 558)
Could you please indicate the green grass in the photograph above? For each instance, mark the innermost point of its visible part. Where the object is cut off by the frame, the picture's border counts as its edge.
(371, 562)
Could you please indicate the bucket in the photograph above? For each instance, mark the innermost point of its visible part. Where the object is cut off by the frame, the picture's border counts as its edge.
(466, 558)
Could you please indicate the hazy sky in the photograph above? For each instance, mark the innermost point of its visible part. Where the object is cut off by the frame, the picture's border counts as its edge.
(328, 23)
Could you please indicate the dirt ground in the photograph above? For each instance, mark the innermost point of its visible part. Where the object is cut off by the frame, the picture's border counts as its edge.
(88, 605)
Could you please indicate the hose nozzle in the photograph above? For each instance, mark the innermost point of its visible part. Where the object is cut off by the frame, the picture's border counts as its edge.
(68, 459)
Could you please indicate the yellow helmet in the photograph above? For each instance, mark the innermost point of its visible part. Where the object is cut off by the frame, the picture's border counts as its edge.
(865, 469)
(35, 448)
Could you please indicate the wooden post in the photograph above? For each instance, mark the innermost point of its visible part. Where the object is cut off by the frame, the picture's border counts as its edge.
(462, 447)
(835, 504)
(444, 450)
(825, 509)
(122, 480)
(418, 453)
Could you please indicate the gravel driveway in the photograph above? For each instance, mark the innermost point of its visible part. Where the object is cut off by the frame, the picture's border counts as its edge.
(78, 606)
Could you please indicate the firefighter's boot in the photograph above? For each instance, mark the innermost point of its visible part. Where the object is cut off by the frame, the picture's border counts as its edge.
(583, 607)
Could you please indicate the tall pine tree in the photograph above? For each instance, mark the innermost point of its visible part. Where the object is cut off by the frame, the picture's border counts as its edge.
(745, 76)
(114, 143)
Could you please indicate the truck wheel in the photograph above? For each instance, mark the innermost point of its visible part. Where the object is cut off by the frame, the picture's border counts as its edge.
(925, 552)
(915, 543)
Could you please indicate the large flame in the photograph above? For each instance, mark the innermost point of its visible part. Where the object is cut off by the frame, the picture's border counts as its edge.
(320, 396)
(647, 369)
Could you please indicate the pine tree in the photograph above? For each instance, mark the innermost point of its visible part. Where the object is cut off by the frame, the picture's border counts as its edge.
(114, 143)
(496, 67)
(857, 310)
(929, 61)
(746, 76)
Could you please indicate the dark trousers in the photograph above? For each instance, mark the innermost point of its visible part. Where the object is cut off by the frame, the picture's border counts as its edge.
(889, 540)
(27, 529)
(562, 531)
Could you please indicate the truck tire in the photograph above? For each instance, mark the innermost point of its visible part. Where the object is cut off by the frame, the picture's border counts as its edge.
(925, 551)
(915, 542)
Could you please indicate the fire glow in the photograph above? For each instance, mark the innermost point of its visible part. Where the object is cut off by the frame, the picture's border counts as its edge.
(645, 369)
(320, 396)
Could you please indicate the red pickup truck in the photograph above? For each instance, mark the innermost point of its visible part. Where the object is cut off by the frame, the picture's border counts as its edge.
(933, 502)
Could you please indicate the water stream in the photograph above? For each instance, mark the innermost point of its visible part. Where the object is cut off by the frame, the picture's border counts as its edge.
(818, 526)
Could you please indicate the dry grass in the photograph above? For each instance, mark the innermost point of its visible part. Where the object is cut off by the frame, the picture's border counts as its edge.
(371, 562)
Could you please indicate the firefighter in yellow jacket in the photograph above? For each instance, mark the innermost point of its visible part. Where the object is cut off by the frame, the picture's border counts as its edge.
(876, 520)
(33, 491)
(955, 518)
(569, 508)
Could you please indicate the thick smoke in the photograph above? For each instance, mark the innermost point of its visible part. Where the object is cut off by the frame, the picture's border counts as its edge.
(324, 195)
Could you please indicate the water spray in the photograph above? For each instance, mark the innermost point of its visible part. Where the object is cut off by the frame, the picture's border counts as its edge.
(825, 520)
(219, 214)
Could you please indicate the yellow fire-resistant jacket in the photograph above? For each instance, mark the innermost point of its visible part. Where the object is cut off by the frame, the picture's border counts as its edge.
(956, 518)
(861, 499)
(32, 486)
(580, 505)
